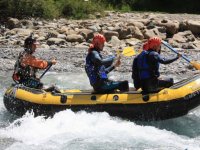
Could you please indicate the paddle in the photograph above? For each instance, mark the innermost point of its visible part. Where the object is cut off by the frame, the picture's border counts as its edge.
(195, 64)
(127, 51)
(45, 71)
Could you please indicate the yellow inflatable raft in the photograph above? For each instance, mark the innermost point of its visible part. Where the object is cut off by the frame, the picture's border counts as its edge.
(167, 103)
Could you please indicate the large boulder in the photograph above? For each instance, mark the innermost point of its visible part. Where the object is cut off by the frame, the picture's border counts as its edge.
(124, 33)
(154, 32)
(22, 32)
(109, 34)
(74, 38)
(136, 33)
(184, 37)
(86, 33)
(172, 27)
(138, 24)
(55, 41)
(194, 26)
(115, 42)
(66, 30)
(26, 23)
(13, 23)
(52, 34)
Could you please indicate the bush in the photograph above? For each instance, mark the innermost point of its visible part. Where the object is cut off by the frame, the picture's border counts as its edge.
(79, 8)
(29, 8)
(83, 8)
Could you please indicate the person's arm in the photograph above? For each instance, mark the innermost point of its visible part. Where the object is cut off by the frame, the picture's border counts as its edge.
(162, 59)
(99, 61)
(116, 64)
(109, 69)
(34, 62)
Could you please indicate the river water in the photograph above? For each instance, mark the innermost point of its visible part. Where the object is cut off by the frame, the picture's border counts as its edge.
(92, 131)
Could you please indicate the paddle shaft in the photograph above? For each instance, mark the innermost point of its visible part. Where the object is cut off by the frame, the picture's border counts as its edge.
(175, 51)
(45, 71)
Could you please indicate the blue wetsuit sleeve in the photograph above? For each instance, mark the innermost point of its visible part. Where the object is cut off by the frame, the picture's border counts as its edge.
(109, 69)
(158, 58)
(96, 58)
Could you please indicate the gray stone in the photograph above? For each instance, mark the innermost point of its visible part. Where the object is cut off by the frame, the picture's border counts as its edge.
(74, 38)
(55, 41)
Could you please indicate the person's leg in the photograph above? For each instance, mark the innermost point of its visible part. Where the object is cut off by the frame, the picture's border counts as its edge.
(33, 83)
(110, 86)
(165, 82)
(149, 86)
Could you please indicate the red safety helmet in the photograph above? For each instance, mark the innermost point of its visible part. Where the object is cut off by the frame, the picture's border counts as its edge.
(153, 42)
(98, 39)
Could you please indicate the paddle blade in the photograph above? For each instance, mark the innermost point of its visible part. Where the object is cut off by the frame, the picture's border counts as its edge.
(128, 51)
(195, 64)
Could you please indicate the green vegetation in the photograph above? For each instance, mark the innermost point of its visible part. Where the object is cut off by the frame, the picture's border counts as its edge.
(78, 9)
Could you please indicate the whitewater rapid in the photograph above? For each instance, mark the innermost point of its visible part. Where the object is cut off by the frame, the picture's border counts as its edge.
(93, 131)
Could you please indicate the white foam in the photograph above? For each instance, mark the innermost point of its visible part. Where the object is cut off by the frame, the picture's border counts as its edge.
(88, 128)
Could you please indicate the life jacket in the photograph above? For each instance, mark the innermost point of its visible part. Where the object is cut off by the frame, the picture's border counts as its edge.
(22, 73)
(143, 65)
(95, 73)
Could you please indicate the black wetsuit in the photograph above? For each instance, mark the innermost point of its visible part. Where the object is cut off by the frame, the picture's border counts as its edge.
(97, 69)
(152, 83)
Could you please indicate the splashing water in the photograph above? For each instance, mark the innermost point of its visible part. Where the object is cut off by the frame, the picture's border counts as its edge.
(81, 130)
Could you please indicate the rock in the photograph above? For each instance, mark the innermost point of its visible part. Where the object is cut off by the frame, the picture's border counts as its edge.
(22, 32)
(188, 46)
(63, 29)
(138, 24)
(95, 28)
(52, 34)
(151, 25)
(86, 33)
(13, 23)
(55, 41)
(194, 26)
(183, 26)
(61, 36)
(45, 46)
(197, 44)
(115, 41)
(124, 33)
(41, 38)
(67, 30)
(183, 37)
(82, 45)
(109, 34)
(26, 23)
(153, 32)
(74, 38)
(132, 41)
(10, 32)
(137, 33)
(172, 27)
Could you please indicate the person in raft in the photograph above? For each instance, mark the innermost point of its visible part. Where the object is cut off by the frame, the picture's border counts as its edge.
(97, 68)
(145, 68)
(27, 65)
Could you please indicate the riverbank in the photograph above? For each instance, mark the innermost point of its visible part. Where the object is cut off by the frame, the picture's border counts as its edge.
(68, 40)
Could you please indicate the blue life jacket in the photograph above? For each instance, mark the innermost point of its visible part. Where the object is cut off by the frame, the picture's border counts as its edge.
(145, 71)
(95, 73)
